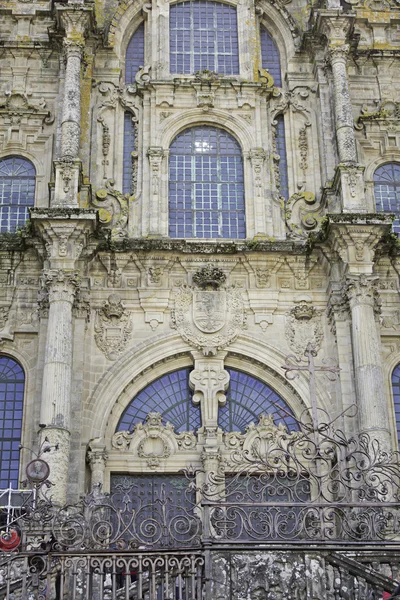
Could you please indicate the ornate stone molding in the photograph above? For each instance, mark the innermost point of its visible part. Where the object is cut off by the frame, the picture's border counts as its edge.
(62, 285)
(113, 210)
(363, 290)
(112, 327)
(17, 109)
(387, 116)
(209, 380)
(260, 438)
(206, 315)
(303, 327)
(153, 441)
(303, 214)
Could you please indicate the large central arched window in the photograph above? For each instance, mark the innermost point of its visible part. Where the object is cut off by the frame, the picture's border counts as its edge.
(12, 381)
(203, 36)
(206, 185)
(170, 395)
(17, 191)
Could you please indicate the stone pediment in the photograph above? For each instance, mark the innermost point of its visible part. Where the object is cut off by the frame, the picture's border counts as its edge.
(153, 441)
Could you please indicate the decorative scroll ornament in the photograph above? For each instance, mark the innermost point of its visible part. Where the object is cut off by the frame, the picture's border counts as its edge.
(259, 436)
(153, 441)
(113, 210)
(303, 213)
(112, 327)
(207, 317)
(303, 327)
(16, 108)
(387, 116)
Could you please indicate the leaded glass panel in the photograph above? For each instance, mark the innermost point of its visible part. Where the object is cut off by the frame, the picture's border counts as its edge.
(270, 56)
(248, 398)
(17, 191)
(134, 58)
(281, 150)
(12, 381)
(396, 397)
(169, 395)
(387, 191)
(129, 147)
(206, 185)
(203, 36)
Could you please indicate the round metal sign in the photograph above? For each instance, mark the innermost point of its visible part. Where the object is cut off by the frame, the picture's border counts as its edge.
(37, 470)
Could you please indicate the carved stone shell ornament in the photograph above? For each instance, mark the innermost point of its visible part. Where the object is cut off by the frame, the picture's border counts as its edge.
(207, 316)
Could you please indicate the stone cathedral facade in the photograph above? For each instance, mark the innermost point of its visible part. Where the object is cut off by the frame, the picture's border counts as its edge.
(199, 299)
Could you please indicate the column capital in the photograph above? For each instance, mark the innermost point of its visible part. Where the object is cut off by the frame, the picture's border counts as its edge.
(362, 290)
(73, 47)
(62, 285)
(75, 20)
(338, 52)
(97, 458)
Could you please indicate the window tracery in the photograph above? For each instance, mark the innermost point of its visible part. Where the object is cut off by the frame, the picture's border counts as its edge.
(134, 58)
(206, 189)
(17, 191)
(396, 397)
(203, 36)
(387, 191)
(270, 56)
(12, 382)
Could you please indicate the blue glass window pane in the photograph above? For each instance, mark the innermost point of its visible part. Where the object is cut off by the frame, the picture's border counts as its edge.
(281, 150)
(129, 147)
(17, 191)
(203, 35)
(169, 395)
(396, 397)
(248, 398)
(134, 58)
(11, 378)
(270, 56)
(206, 185)
(387, 191)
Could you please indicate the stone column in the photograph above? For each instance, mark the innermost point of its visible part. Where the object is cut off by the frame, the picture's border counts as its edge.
(342, 103)
(351, 174)
(56, 384)
(373, 411)
(155, 155)
(74, 20)
(71, 109)
(97, 459)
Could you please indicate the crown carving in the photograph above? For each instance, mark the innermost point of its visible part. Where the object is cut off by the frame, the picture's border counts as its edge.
(209, 277)
(303, 312)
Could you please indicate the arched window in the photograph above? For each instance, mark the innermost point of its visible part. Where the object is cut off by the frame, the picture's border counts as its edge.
(17, 191)
(206, 185)
(203, 36)
(12, 381)
(134, 58)
(280, 143)
(387, 191)
(396, 397)
(270, 56)
(170, 395)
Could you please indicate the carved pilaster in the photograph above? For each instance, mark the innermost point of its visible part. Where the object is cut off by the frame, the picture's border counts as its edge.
(156, 155)
(257, 158)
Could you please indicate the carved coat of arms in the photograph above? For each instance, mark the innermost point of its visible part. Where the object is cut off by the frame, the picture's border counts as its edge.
(206, 316)
(112, 327)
